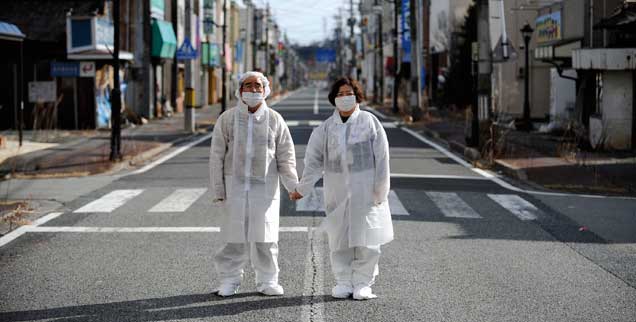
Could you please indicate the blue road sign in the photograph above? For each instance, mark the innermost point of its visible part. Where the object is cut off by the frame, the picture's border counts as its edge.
(186, 51)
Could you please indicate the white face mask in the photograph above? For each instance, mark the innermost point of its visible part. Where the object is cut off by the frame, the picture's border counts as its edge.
(252, 99)
(346, 103)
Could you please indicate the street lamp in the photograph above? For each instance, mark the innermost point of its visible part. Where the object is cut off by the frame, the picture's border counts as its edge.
(526, 31)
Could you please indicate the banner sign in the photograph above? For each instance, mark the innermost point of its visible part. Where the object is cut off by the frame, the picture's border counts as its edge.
(549, 27)
(65, 69)
(406, 31)
(325, 55)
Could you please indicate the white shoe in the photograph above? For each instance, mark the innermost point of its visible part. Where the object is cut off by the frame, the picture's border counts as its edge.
(227, 289)
(363, 293)
(270, 289)
(341, 291)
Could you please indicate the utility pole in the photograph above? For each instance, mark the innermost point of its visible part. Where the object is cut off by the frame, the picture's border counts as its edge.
(266, 40)
(396, 58)
(175, 66)
(380, 64)
(224, 62)
(115, 96)
(354, 64)
(414, 33)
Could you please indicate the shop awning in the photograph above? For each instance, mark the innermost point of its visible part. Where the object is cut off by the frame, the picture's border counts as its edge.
(10, 32)
(164, 41)
(99, 55)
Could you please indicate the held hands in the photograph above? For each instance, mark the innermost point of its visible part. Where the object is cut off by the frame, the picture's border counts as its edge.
(295, 195)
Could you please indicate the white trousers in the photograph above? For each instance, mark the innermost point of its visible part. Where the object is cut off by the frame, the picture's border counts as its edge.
(355, 266)
(232, 258)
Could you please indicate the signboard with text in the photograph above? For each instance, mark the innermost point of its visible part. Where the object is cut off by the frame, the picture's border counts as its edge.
(87, 69)
(64, 69)
(406, 31)
(42, 92)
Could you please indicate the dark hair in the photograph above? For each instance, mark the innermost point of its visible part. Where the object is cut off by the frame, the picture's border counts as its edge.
(357, 89)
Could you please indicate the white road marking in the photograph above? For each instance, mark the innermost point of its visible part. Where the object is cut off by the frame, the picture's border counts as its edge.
(389, 125)
(315, 123)
(20, 231)
(517, 206)
(180, 200)
(110, 201)
(396, 206)
(314, 202)
(292, 123)
(77, 229)
(452, 205)
(316, 102)
(293, 229)
(434, 176)
(172, 154)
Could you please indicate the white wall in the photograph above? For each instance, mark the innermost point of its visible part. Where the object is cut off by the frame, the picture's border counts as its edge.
(616, 109)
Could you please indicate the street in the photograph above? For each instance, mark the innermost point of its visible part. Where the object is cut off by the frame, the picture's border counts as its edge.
(138, 246)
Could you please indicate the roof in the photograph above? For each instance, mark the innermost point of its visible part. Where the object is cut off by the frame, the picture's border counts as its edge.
(624, 18)
(45, 20)
(10, 31)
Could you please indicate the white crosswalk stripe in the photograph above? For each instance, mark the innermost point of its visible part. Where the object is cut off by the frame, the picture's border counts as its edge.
(110, 201)
(452, 205)
(180, 200)
(315, 123)
(518, 206)
(314, 202)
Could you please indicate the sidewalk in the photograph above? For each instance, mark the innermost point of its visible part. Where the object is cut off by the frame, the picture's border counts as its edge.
(80, 153)
(542, 161)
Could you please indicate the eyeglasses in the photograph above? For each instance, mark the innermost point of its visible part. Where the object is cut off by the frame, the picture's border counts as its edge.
(251, 86)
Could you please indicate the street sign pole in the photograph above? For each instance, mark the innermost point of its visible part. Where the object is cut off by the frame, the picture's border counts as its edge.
(189, 115)
(115, 97)
(224, 62)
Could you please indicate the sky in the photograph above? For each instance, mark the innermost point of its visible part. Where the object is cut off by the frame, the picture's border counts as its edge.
(303, 20)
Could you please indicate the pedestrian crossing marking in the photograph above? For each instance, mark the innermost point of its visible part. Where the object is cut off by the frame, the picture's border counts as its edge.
(77, 229)
(314, 202)
(518, 206)
(452, 205)
(179, 201)
(449, 203)
(111, 201)
(315, 123)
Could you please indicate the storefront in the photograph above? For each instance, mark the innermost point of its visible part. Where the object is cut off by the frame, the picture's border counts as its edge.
(164, 45)
(11, 60)
(87, 76)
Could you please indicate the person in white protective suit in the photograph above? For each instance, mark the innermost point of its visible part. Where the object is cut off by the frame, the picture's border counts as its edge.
(251, 150)
(350, 152)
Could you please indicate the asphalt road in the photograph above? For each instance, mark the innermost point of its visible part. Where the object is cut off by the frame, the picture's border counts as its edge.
(139, 247)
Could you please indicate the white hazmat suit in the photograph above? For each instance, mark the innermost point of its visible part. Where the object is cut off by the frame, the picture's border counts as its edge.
(354, 157)
(250, 152)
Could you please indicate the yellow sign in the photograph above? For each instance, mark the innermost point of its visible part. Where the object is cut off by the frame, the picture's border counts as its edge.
(189, 97)
(318, 75)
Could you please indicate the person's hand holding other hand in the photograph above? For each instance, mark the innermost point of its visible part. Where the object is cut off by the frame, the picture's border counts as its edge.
(295, 196)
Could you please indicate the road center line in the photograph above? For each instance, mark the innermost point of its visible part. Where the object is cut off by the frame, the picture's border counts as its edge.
(316, 102)
(312, 310)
